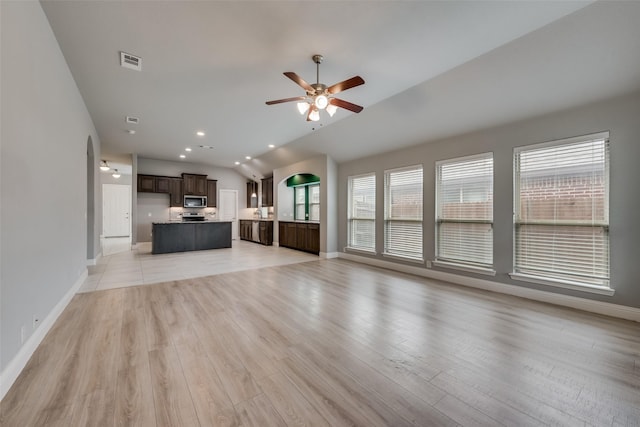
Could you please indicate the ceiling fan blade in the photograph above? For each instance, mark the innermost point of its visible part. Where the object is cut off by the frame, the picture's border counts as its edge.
(344, 85)
(280, 101)
(345, 104)
(296, 78)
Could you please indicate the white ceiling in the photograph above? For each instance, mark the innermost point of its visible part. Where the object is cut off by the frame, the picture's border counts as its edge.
(432, 69)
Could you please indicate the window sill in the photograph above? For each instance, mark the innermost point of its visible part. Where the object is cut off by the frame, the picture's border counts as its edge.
(403, 258)
(463, 267)
(565, 284)
(360, 251)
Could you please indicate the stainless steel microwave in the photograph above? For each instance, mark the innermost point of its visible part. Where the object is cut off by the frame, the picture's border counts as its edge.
(195, 201)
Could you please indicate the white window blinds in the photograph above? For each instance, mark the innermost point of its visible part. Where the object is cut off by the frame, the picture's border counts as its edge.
(464, 210)
(562, 210)
(403, 212)
(362, 212)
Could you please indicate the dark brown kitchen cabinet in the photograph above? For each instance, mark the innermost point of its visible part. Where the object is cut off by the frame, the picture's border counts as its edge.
(162, 184)
(303, 236)
(245, 229)
(195, 185)
(267, 192)
(146, 183)
(212, 193)
(313, 238)
(252, 187)
(176, 198)
(264, 231)
(153, 184)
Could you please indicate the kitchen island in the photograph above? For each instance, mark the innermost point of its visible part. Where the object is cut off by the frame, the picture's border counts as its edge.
(167, 237)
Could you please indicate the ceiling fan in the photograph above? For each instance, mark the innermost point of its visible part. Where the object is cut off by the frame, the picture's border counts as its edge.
(319, 96)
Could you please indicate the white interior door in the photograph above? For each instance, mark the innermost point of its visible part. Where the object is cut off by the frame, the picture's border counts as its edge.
(228, 209)
(116, 206)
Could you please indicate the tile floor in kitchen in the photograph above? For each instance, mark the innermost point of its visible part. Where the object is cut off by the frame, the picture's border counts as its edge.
(121, 266)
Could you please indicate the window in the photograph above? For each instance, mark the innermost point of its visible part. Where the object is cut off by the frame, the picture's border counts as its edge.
(314, 202)
(464, 211)
(362, 212)
(562, 211)
(403, 212)
(300, 197)
(307, 202)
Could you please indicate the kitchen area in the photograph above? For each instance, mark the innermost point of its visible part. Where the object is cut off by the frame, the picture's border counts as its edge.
(180, 212)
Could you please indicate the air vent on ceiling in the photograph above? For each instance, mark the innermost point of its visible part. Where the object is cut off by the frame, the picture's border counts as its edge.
(206, 146)
(132, 120)
(130, 61)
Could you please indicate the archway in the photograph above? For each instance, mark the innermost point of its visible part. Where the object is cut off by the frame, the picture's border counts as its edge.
(91, 250)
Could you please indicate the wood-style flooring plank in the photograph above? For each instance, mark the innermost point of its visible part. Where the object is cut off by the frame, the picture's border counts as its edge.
(259, 412)
(134, 394)
(326, 342)
(172, 401)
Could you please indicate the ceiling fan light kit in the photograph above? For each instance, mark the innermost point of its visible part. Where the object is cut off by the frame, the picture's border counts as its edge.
(319, 96)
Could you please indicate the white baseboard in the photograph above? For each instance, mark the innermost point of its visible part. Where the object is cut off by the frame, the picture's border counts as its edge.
(599, 307)
(94, 261)
(329, 255)
(17, 364)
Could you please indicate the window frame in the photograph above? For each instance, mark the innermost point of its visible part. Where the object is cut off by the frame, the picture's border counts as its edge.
(351, 217)
(461, 263)
(307, 201)
(551, 278)
(387, 252)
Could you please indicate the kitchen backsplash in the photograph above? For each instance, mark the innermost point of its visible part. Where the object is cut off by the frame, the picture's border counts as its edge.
(210, 214)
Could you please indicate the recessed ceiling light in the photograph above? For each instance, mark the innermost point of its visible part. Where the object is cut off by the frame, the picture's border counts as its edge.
(187, 149)
(200, 133)
(131, 131)
(271, 146)
(182, 156)
(237, 163)
(247, 157)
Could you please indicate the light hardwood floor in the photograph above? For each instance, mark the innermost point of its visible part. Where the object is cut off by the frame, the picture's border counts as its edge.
(326, 343)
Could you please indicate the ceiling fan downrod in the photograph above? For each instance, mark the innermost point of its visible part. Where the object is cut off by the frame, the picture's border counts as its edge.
(318, 60)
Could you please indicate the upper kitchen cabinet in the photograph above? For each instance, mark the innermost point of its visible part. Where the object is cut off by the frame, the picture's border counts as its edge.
(176, 194)
(162, 184)
(212, 192)
(194, 184)
(153, 184)
(252, 188)
(146, 183)
(267, 191)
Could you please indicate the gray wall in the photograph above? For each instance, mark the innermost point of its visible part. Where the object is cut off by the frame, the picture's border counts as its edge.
(619, 116)
(45, 128)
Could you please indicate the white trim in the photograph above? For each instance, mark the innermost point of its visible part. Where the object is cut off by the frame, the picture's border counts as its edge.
(94, 261)
(566, 284)
(599, 307)
(403, 258)
(359, 251)
(17, 364)
(600, 136)
(463, 267)
(276, 244)
(328, 255)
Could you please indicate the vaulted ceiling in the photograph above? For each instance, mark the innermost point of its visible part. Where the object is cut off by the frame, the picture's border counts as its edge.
(432, 70)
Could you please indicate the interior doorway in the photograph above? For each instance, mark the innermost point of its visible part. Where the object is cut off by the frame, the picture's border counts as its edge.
(116, 209)
(90, 215)
(228, 210)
